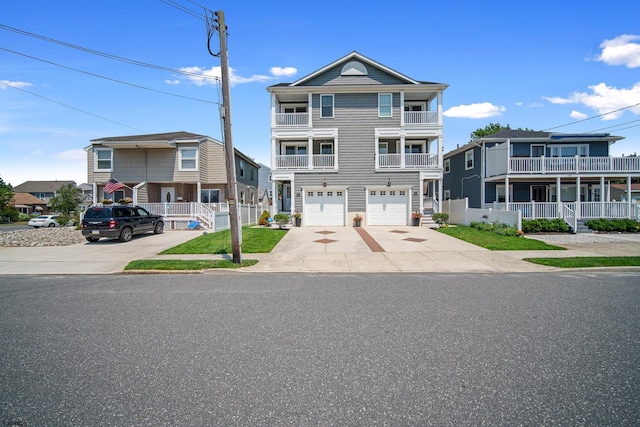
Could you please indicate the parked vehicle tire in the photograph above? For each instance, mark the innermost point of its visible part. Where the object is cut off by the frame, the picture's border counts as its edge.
(52, 225)
(159, 229)
(92, 239)
(126, 234)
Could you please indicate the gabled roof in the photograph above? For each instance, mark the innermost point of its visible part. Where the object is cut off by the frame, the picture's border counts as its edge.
(27, 199)
(40, 186)
(359, 57)
(515, 133)
(152, 137)
(518, 134)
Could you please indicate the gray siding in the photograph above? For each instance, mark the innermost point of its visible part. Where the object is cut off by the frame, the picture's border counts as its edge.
(356, 117)
(332, 77)
(464, 183)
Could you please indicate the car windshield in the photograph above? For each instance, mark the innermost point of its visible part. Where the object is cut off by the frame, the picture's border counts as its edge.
(98, 213)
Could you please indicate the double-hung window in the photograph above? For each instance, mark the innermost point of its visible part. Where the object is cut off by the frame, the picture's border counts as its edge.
(384, 105)
(468, 160)
(326, 106)
(188, 158)
(103, 160)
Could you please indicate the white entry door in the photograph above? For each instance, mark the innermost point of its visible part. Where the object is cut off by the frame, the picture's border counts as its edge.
(324, 207)
(387, 207)
(168, 194)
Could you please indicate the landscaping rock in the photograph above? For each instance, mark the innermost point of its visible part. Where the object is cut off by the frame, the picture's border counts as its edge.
(58, 236)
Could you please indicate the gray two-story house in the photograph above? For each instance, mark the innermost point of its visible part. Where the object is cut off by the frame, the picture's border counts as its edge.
(353, 137)
(542, 174)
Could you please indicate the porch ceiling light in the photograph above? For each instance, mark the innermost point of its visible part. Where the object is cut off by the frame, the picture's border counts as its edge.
(324, 182)
(388, 182)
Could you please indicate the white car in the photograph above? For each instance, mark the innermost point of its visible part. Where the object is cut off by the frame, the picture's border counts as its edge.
(44, 221)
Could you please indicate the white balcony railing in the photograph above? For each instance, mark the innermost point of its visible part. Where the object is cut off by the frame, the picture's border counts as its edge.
(543, 165)
(588, 210)
(301, 161)
(292, 119)
(421, 117)
(411, 161)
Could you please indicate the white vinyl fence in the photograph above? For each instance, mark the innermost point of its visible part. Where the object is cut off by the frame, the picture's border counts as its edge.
(461, 214)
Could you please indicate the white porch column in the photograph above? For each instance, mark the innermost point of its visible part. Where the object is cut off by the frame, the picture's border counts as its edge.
(506, 193)
(421, 194)
(440, 194)
(602, 197)
(274, 104)
(578, 191)
(274, 198)
(401, 108)
(309, 110)
(310, 152)
(402, 154)
(198, 189)
(94, 190)
(558, 198)
(274, 164)
(439, 108)
(629, 204)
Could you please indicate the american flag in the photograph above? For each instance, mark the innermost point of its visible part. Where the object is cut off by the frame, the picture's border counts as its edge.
(113, 185)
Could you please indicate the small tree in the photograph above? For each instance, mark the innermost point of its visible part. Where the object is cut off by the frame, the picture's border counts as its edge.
(6, 197)
(67, 199)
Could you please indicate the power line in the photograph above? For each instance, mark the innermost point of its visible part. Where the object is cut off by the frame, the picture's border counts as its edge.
(107, 78)
(591, 118)
(106, 55)
(184, 9)
(615, 126)
(69, 106)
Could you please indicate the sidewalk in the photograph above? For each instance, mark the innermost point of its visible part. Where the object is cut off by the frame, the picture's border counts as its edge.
(321, 250)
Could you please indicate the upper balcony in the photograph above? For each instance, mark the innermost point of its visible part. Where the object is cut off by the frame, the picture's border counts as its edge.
(408, 161)
(305, 161)
(498, 163)
(420, 118)
(294, 120)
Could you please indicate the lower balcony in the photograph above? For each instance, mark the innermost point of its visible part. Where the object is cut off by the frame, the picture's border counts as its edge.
(408, 161)
(554, 165)
(304, 161)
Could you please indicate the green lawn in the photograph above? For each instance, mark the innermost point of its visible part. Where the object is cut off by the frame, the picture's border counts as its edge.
(582, 262)
(177, 264)
(254, 240)
(496, 242)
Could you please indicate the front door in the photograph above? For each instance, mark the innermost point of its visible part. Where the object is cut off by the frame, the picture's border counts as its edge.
(168, 194)
(286, 197)
(538, 193)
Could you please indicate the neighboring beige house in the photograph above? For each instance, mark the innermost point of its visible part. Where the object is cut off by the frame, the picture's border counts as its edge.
(43, 190)
(28, 204)
(168, 167)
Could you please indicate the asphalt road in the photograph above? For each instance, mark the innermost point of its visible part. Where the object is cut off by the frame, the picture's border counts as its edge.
(313, 349)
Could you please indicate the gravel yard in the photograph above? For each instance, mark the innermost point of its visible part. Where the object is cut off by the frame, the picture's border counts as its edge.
(586, 238)
(58, 236)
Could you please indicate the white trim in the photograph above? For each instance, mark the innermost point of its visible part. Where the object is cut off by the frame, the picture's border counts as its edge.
(95, 160)
(380, 105)
(446, 166)
(466, 160)
(333, 108)
(181, 158)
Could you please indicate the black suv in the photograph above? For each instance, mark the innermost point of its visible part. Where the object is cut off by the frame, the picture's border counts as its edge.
(119, 221)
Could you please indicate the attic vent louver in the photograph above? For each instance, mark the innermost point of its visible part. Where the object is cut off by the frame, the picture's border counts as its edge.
(354, 68)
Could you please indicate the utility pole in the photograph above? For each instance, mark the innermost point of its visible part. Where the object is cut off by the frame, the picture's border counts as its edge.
(225, 112)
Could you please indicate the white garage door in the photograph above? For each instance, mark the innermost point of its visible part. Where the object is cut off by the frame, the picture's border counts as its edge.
(387, 207)
(324, 207)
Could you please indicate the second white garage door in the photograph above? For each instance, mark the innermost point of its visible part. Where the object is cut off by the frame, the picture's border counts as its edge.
(387, 207)
(324, 208)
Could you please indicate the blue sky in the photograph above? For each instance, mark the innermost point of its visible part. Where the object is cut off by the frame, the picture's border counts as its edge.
(533, 65)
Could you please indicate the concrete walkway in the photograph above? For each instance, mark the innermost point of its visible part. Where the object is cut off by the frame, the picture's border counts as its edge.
(320, 249)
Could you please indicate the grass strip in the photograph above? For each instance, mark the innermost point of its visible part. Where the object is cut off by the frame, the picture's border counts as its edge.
(178, 264)
(586, 262)
(255, 240)
(496, 242)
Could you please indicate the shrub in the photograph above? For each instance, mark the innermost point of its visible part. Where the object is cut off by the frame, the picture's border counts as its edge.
(617, 225)
(496, 227)
(264, 218)
(441, 219)
(543, 225)
(281, 219)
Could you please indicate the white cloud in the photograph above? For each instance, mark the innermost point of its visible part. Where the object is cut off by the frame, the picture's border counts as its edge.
(475, 111)
(621, 51)
(604, 99)
(577, 115)
(72, 155)
(14, 84)
(519, 104)
(283, 71)
(536, 105)
(172, 82)
(204, 77)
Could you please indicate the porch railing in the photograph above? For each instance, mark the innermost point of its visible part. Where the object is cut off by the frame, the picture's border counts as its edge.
(542, 165)
(210, 215)
(301, 161)
(292, 119)
(569, 216)
(421, 117)
(588, 210)
(411, 161)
